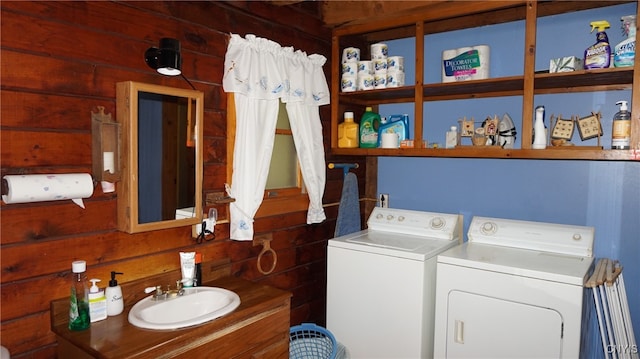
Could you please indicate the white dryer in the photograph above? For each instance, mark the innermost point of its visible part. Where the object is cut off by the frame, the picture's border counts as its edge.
(381, 283)
(514, 290)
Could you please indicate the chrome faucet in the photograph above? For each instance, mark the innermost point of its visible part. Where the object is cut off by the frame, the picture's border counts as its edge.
(167, 294)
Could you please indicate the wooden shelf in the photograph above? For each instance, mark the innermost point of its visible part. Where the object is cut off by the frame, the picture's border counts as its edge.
(488, 152)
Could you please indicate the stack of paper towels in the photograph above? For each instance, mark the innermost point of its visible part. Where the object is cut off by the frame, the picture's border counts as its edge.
(465, 63)
(382, 71)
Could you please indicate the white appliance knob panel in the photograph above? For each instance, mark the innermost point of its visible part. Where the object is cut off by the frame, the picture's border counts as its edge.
(489, 228)
(437, 223)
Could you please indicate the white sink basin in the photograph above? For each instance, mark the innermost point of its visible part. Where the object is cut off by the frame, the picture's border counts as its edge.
(198, 305)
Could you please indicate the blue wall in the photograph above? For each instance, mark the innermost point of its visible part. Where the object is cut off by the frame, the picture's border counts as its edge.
(605, 195)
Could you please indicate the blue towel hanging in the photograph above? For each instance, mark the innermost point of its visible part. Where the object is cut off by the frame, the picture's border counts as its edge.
(349, 208)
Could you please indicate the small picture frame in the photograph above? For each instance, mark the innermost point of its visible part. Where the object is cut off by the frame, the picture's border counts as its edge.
(467, 128)
(590, 127)
(563, 128)
(491, 126)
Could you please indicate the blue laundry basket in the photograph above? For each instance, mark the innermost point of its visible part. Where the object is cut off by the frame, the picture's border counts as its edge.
(310, 341)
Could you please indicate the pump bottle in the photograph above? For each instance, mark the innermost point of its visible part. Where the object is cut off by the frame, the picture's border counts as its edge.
(79, 307)
(539, 130)
(621, 132)
(115, 302)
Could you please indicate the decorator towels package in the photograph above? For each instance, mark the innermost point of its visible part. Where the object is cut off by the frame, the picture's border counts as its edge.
(465, 63)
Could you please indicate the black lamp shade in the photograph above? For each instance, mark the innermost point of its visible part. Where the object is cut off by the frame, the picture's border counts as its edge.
(166, 59)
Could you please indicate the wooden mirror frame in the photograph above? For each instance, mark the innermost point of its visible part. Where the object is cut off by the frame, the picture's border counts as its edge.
(127, 96)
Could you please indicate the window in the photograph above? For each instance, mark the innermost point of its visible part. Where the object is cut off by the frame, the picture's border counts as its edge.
(284, 192)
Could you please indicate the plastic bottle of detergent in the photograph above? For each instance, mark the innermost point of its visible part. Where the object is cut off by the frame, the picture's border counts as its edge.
(369, 125)
(398, 124)
(598, 55)
(624, 53)
(348, 132)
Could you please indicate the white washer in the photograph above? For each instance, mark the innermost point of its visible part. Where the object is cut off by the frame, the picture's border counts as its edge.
(381, 283)
(514, 290)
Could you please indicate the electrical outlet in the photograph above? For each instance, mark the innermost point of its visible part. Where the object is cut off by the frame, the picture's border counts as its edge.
(384, 200)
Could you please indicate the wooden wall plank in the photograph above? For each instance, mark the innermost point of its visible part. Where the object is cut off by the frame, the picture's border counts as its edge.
(62, 59)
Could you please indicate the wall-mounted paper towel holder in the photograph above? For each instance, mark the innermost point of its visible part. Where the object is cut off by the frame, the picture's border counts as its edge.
(105, 151)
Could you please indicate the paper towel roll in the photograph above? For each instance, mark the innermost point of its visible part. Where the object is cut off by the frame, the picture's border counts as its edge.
(446, 56)
(48, 187)
(484, 56)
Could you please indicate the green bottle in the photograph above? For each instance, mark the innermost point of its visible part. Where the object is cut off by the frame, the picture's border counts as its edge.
(79, 306)
(369, 124)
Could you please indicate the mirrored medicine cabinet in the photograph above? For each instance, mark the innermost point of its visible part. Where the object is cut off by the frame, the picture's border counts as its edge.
(162, 159)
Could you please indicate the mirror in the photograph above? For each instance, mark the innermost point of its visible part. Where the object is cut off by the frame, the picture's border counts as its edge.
(162, 157)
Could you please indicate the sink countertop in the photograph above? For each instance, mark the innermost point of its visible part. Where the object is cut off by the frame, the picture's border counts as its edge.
(115, 337)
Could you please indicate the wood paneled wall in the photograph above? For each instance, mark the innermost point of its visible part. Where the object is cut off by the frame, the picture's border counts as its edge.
(62, 59)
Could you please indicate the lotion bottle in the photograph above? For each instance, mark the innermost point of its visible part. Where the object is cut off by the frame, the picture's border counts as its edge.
(539, 130)
(621, 132)
(97, 302)
(115, 302)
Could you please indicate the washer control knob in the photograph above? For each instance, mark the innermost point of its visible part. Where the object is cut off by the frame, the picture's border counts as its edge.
(577, 237)
(437, 223)
(401, 218)
(488, 228)
(379, 216)
(389, 217)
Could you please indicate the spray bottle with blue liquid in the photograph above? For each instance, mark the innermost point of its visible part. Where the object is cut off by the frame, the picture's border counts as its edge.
(598, 55)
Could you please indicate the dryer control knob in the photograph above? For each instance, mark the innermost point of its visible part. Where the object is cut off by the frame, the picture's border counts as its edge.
(488, 228)
(577, 237)
(389, 217)
(437, 223)
(379, 216)
(400, 218)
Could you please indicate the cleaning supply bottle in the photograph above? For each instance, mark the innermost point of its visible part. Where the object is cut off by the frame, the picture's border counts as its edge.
(598, 55)
(621, 131)
(398, 124)
(539, 130)
(348, 132)
(79, 307)
(97, 302)
(115, 302)
(369, 125)
(624, 53)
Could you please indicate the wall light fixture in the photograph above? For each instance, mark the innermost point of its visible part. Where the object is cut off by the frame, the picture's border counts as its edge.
(166, 59)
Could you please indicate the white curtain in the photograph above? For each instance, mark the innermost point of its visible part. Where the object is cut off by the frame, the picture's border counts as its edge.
(260, 73)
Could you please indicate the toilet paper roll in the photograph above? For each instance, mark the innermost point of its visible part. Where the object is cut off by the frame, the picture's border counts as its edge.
(389, 140)
(351, 54)
(380, 81)
(365, 67)
(395, 79)
(348, 83)
(48, 187)
(379, 66)
(365, 82)
(379, 51)
(395, 63)
(350, 68)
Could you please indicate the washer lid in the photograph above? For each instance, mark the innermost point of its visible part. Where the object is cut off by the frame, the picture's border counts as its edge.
(393, 244)
(548, 266)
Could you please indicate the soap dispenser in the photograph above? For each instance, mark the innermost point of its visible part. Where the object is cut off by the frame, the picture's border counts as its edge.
(115, 302)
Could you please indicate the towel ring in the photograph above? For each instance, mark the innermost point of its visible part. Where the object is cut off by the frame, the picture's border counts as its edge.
(266, 248)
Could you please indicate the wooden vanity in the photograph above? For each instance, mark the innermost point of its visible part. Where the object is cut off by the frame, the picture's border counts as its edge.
(258, 328)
